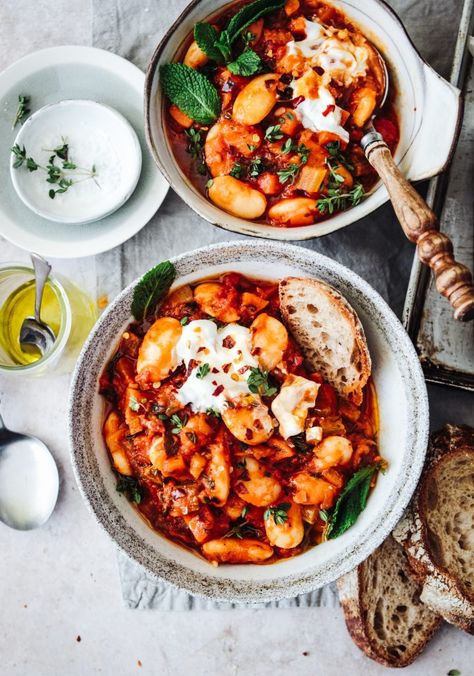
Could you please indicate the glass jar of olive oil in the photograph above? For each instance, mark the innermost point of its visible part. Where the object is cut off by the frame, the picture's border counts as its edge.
(67, 310)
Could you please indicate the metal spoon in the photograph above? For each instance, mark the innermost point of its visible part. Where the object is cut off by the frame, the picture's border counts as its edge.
(419, 223)
(29, 481)
(33, 331)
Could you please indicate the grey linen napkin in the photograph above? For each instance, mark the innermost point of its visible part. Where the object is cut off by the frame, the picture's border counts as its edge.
(374, 247)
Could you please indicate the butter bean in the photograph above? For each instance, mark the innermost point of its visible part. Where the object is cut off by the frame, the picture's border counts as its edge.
(293, 211)
(255, 100)
(236, 197)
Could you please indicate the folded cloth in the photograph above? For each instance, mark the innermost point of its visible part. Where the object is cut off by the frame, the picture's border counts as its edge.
(374, 247)
(144, 591)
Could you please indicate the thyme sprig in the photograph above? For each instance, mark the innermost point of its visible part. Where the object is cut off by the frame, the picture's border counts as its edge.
(56, 174)
(22, 111)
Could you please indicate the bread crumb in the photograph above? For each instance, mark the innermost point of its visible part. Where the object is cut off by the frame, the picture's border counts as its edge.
(139, 663)
(78, 638)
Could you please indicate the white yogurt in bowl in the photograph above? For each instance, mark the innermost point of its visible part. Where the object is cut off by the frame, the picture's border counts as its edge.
(95, 174)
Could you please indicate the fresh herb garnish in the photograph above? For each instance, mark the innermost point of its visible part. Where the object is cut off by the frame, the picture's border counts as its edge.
(336, 156)
(337, 200)
(258, 383)
(202, 371)
(273, 133)
(213, 412)
(183, 321)
(255, 167)
(291, 171)
(351, 502)
(246, 64)
(242, 527)
(218, 46)
(129, 486)
(300, 444)
(151, 288)
(279, 513)
(192, 436)
(324, 515)
(454, 672)
(55, 174)
(236, 170)
(196, 149)
(191, 91)
(22, 111)
(178, 423)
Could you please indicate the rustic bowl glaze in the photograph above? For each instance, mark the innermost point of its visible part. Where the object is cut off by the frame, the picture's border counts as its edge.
(403, 435)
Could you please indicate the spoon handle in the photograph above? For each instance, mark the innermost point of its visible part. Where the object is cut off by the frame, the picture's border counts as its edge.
(435, 249)
(42, 269)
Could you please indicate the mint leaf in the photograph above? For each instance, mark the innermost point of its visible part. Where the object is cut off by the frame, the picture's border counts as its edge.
(351, 502)
(246, 63)
(207, 39)
(191, 91)
(151, 288)
(248, 15)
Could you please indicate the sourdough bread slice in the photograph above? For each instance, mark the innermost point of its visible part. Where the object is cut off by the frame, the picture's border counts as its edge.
(329, 332)
(437, 530)
(382, 608)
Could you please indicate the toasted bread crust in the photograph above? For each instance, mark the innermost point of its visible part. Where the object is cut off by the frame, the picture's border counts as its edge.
(298, 298)
(358, 603)
(442, 590)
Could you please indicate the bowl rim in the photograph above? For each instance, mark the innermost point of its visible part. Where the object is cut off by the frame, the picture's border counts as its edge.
(378, 195)
(291, 584)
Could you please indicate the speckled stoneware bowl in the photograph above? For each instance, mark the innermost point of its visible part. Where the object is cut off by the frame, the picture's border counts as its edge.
(403, 435)
(420, 96)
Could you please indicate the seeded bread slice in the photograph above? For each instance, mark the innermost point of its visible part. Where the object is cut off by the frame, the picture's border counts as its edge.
(329, 332)
(382, 608)
(437, 530)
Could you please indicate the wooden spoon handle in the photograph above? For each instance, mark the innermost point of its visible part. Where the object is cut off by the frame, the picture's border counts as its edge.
(420, 225)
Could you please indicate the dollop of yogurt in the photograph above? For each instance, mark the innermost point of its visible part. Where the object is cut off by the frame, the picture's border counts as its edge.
(220, 362)
(322, 114)
(337, 56)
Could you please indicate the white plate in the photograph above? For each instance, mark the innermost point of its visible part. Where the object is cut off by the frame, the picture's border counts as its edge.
(52, 75)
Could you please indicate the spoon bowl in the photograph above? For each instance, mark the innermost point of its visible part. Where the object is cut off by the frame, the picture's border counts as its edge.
(29, 480)
(33, 331)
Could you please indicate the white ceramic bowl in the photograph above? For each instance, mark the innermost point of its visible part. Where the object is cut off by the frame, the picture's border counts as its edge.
(97, 135)
(429, 110)
(403, 434)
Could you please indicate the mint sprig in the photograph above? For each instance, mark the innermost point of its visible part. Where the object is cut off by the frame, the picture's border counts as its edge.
(151, 288)
(191, 91)
(247, 63)
(218, 47)
(350, 503)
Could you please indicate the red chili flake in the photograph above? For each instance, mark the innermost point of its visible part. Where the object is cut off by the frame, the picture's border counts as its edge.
(256, 350)
(248, 433)
(330, 109)
(218, 391)
(214, 370)
(296, 102)
(228, 342)
(242, 369)
(201, 349)
(214, 382)
(226, 367)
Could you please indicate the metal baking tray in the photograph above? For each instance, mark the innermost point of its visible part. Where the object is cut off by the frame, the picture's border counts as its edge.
(446, 346)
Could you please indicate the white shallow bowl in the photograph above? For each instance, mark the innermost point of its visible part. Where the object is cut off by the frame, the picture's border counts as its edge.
(52, 75)
(403, 434)
(428, 107)
(97, 136)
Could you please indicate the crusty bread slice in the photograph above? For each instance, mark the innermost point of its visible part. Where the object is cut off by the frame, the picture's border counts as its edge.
(382, 608)
(437, 530)
(329, 332)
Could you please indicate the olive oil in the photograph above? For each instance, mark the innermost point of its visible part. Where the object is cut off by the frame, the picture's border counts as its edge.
(19, 305)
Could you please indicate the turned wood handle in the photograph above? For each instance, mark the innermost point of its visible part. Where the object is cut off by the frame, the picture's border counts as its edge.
(420, 225)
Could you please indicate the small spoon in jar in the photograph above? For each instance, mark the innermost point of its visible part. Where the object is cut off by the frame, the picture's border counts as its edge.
(33, 331)
(29, 481)
(419, 222)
